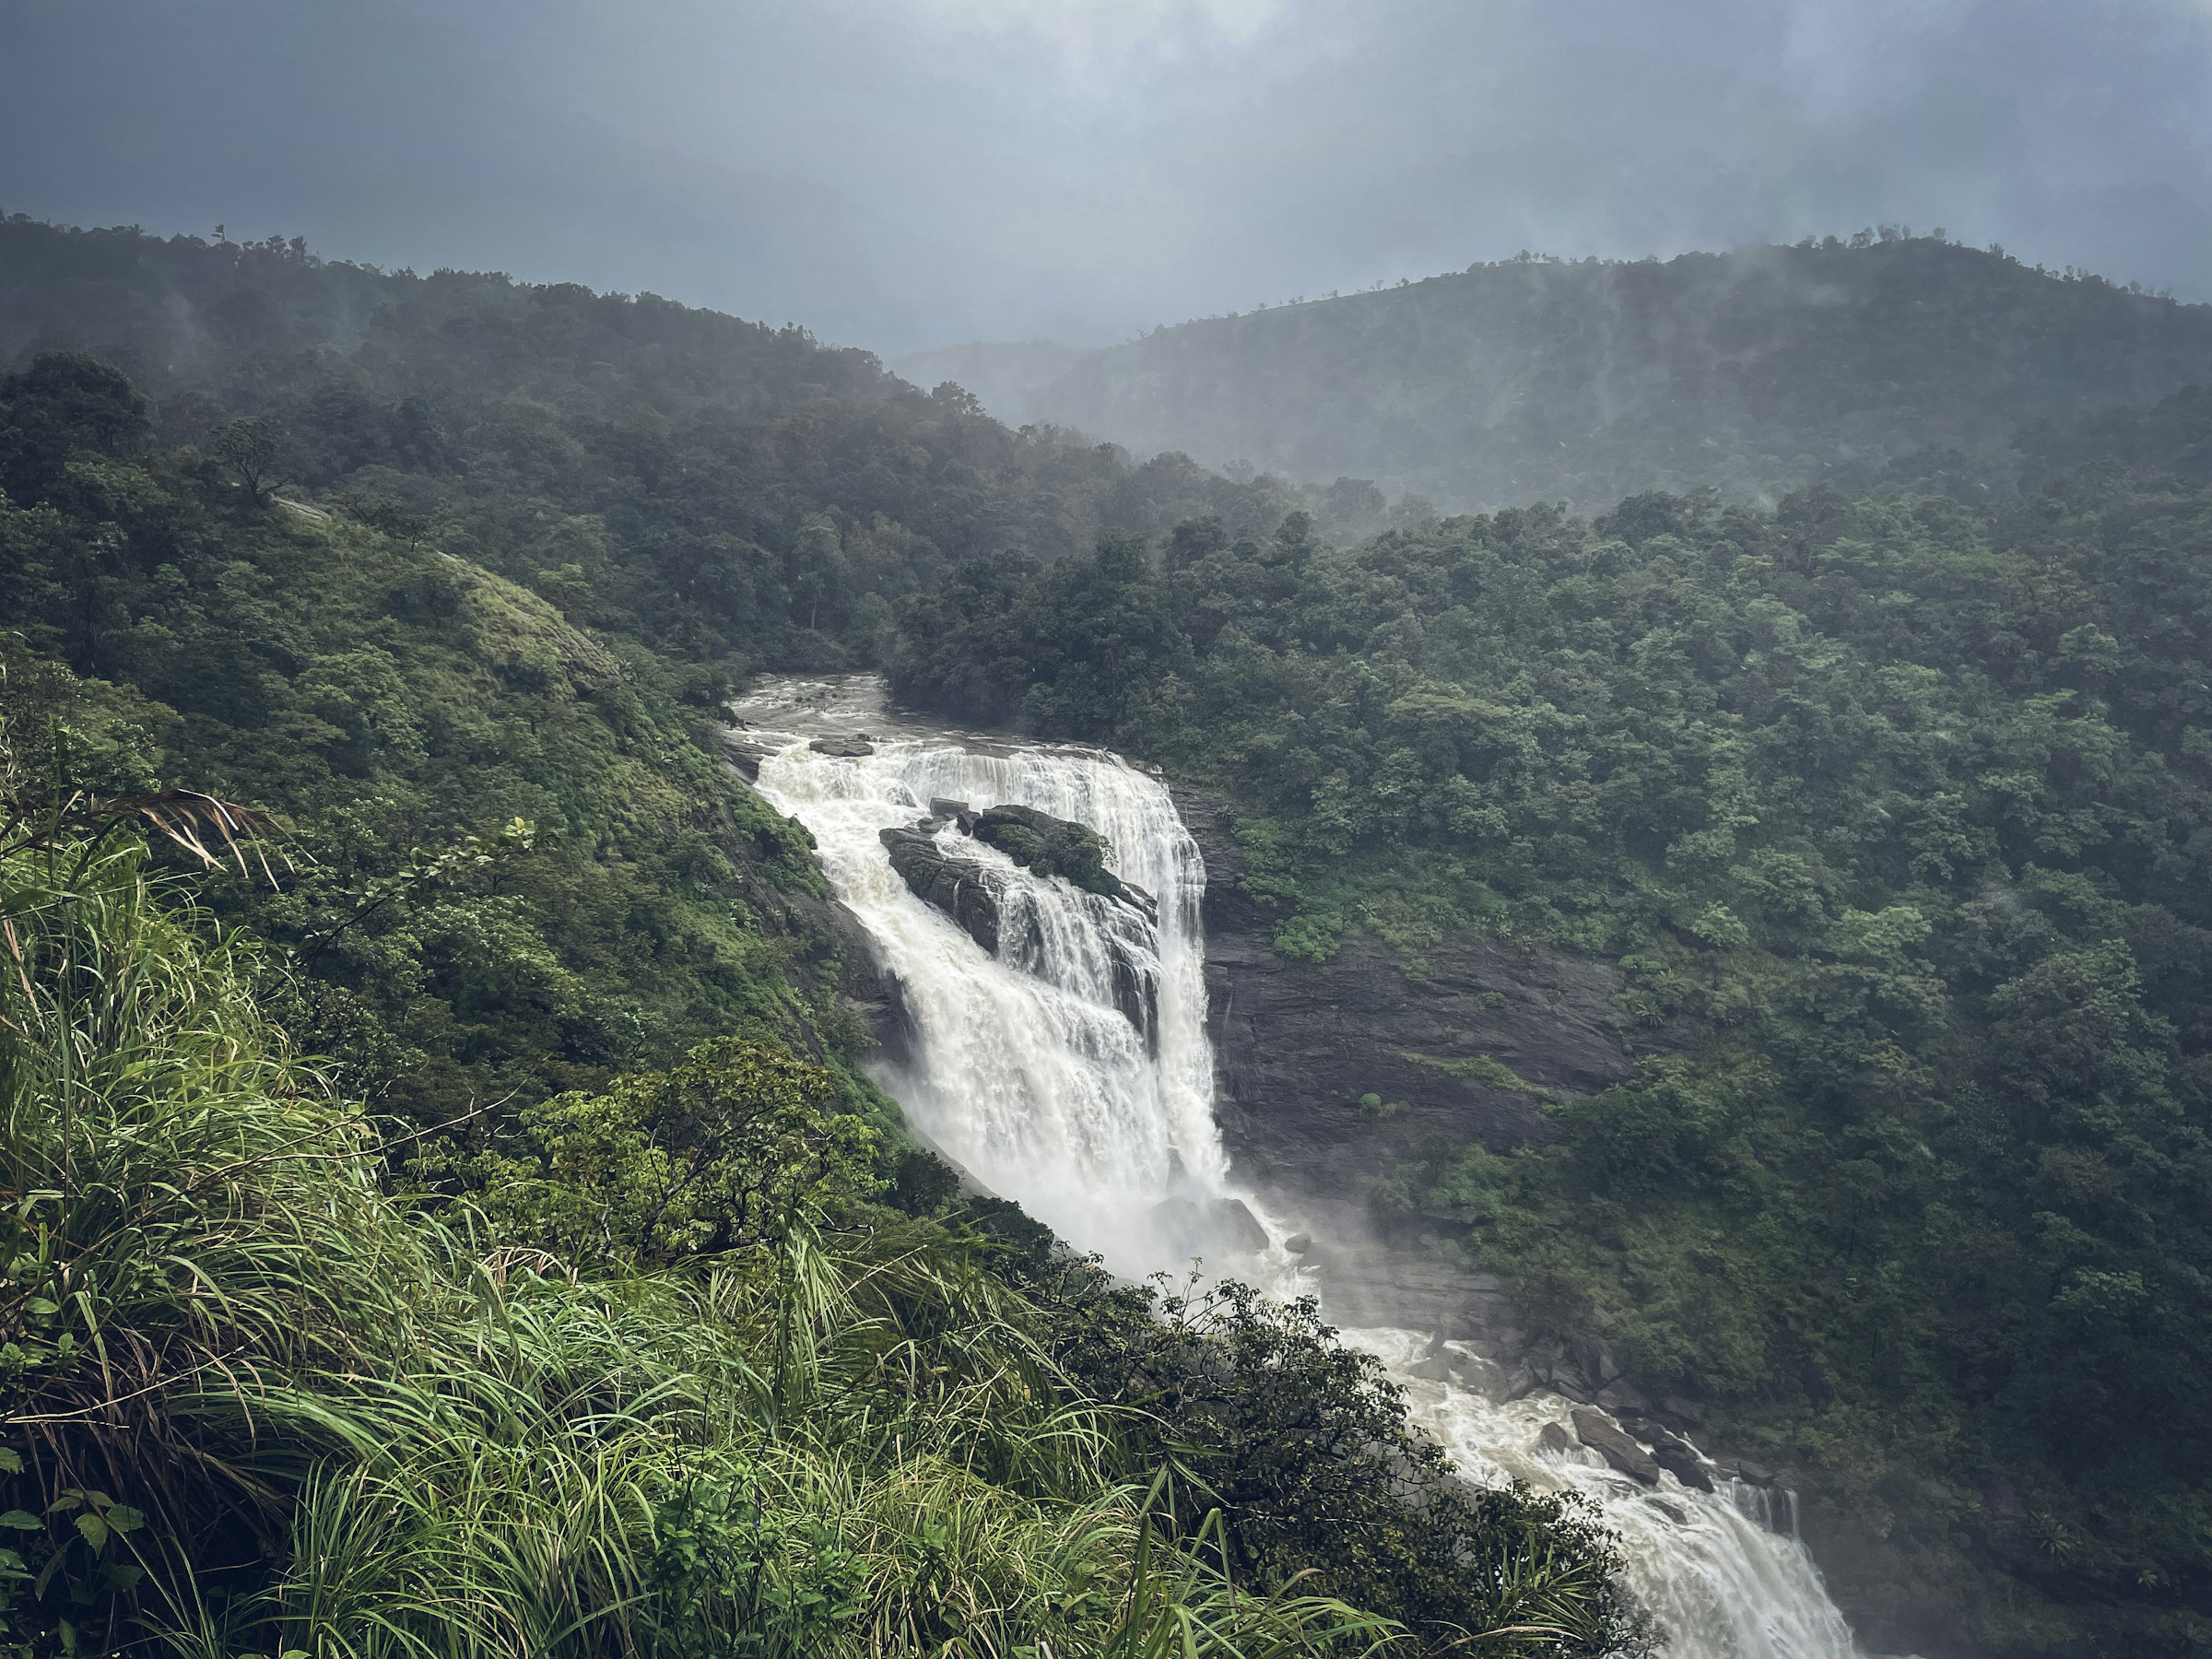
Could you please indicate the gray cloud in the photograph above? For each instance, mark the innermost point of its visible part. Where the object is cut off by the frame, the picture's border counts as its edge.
(899, 173)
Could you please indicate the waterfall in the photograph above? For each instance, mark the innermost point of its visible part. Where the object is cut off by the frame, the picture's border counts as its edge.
(1026, 1070)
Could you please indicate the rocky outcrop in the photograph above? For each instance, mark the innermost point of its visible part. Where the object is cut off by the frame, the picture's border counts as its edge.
(961, 888)
(1364, 1282)
(1209, 1227)
(1332, 1071)
(1329, 1074)
(867, 988)
(1049, 846)
(1003, 919)
(1671, 1453)
(743, 747)
(1609, 1442)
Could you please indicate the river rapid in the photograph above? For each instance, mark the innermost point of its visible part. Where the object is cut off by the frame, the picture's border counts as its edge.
(1024, 1070)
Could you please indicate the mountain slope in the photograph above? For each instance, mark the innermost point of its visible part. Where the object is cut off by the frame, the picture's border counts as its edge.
(521, 865)
(731, 492)
(1896, 816)
(1755, 371)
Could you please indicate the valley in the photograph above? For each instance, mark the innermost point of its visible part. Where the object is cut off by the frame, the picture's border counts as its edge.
(1724, 956)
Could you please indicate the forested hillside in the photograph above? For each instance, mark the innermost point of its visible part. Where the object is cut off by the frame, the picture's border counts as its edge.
(520, 867)
(1897, 812)
(735, 493)
(1905, 362)
(444, 1213)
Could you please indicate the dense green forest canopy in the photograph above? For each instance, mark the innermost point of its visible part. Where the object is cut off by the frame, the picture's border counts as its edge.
(520, 867)
(1897, 812)
(1889, 360)
(732, 492)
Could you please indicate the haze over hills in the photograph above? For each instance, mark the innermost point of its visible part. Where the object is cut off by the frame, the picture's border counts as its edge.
(1509, 965)
(742, 488)
(1905, 361)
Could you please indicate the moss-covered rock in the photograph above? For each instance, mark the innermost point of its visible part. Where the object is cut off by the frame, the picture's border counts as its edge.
(1049, 846)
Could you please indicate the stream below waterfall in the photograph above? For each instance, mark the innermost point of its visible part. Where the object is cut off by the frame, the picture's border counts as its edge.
(1025, 1070)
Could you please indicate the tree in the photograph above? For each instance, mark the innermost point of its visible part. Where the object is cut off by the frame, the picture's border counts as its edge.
(66, 403)
(728, 1150)
(818, 569)
(246, 447)
(1305, 1451)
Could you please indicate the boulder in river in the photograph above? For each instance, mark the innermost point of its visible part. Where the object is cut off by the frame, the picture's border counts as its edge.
(1235, 1218)
(1216, 1225)
(1610, 1444)
(961, 888)
(1678, 1457)
(855, 747)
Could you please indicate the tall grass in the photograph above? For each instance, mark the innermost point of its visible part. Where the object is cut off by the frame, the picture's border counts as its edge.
(262, 1406)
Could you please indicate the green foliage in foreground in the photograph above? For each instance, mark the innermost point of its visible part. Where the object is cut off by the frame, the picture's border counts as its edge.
(1898, 816)
(256, 1405)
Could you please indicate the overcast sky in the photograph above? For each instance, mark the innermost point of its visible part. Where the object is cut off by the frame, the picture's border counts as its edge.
(902, 173)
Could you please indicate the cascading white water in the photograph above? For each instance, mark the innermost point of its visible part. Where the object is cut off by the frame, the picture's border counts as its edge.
(1029, 1072)
(1026, 1071)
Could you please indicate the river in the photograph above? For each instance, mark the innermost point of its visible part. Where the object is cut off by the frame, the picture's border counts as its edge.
(1024, 1069)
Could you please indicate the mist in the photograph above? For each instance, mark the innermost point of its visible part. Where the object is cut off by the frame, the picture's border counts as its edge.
(905, 175)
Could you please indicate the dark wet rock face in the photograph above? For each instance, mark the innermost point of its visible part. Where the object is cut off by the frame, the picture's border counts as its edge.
(744, 748)
(1330, 1072)
(1137, 983)
(1210, 1226)
(1331, 1075)
(1001, 917)
(1599, 1434)
(865, 985)
(1675, 1455)
(961, 888)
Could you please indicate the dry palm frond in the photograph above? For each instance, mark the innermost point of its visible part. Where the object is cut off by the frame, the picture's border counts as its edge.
(186, 816)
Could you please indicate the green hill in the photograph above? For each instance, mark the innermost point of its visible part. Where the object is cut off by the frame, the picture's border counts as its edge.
(1906, 360)
(1896, 813)
(738, 494)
